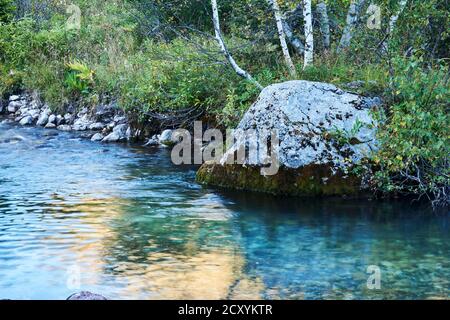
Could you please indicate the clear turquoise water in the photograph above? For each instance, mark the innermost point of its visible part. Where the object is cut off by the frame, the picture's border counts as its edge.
(124, 222)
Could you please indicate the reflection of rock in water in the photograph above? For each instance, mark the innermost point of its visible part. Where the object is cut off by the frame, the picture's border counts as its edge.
(206, 275)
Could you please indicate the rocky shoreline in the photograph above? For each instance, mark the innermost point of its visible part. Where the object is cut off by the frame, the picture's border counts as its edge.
(323, 132)
(104, 123)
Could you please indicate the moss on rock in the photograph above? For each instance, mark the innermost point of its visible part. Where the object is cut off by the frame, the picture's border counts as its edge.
(311, 180)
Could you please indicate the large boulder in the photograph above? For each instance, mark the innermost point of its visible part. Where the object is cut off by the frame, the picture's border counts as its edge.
(323, 132)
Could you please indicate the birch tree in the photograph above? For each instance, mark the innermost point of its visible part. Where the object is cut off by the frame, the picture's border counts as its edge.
(392, 23)
(351, 21)
(223, 48)
(309, 37)
(324, 23)
(282, 36)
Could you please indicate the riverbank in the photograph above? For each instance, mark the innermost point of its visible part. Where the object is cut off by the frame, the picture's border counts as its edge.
(104, 123)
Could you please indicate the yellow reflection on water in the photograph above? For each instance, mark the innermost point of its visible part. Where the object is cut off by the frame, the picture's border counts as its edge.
(186, 272)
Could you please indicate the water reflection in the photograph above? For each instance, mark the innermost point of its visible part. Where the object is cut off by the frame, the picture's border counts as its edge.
(137, 227)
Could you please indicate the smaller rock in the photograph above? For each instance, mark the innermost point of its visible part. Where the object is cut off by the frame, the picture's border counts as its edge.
(14, 98)
(120, 119)
(122, 128)
(14, 106)
(64, 127)
(59, 120)
(113, 137)
(68, 118)
(34, 113)
(166, 138)
(86, 295)
(51, 118)
(43, 119)
(151, 143)
(82, 112)
(50, 125)
(97, 137)
(97, 126)
(79, 127)
(111, 125)
(26, 121)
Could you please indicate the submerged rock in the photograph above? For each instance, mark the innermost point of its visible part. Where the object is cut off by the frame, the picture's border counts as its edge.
(152, 142)
(64, 127)
(323, 131)
(97, 137)
(86, 295)
(50, 126)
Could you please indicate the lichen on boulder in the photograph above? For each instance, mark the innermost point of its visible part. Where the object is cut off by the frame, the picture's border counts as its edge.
(322, 130)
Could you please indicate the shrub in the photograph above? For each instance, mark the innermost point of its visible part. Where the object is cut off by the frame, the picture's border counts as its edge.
(415, 137)
(6, 10)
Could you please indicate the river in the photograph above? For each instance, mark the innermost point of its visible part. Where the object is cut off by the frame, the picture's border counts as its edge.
(123, 221)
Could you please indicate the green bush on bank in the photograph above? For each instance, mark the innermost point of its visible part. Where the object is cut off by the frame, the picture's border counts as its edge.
(415, 136)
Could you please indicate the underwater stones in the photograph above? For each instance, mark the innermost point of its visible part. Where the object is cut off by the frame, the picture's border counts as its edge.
(50, 126)
(152, 142)
(97, 137)
(64, 127)
(86, 295)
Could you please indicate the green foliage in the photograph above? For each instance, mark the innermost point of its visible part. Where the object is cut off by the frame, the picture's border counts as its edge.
(344, 137)
(79, 77)
(6, 10)
(415, 137)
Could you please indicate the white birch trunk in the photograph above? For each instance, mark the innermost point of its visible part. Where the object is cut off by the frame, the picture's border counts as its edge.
(351, 21)
(392, 22)
(224, 49)
(324, 23)
(394, 18)
(282, 36)
(309, 36)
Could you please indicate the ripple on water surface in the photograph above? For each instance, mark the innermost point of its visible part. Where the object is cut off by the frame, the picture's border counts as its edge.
(124, 222)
